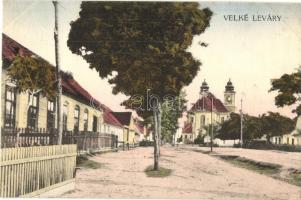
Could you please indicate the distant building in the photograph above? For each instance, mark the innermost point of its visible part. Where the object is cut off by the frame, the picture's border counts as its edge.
(294, 138)
(129, 126)
(111, 125)
(209, 110)
(187, 136)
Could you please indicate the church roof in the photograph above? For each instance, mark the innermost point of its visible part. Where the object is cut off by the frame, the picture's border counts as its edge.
(229, 87)
(187, 128)
(205, 104)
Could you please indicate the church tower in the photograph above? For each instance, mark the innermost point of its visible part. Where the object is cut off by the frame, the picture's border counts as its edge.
(204, 89)
(229, 97)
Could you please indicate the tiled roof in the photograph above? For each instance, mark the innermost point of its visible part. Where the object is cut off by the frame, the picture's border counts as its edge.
(11, 48)
(205, 104)
(140, 127)
(123, 117)
(187, 128)
(108, 116)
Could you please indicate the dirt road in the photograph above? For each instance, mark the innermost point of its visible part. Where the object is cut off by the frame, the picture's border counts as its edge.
(195, 175)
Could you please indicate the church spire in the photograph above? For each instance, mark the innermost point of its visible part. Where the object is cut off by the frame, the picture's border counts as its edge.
(229, 87)
(204, 87)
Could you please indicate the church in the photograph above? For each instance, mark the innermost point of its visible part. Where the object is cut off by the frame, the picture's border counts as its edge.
(207, 110)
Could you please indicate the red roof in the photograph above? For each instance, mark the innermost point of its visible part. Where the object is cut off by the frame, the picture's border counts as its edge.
(123, 117)
(11, 48)
(187, 128)
(108, 116)
(140, 126)
(205, 104)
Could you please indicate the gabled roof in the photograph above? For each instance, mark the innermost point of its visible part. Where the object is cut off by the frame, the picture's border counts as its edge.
(11, 48)
(187, 128)
(205, 104)
(140, 128)
(108, 116)
(123, 117)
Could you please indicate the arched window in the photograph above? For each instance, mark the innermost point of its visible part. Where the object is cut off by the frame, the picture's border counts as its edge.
(94, 128)
(203, 120)
(65, 115)
(86, 117)
(76, 118)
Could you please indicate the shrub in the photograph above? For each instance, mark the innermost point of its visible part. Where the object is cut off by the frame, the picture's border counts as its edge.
(146, 143)
(199, 139)
(268, 146)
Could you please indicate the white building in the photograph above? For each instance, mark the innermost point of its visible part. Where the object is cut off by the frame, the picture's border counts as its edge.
(209, 110)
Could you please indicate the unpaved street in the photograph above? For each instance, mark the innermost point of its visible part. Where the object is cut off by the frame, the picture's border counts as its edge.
(195, 175)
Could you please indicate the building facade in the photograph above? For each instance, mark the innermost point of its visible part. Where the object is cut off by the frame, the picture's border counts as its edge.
(111, 124)
(294, 138)
(208, 110)
(22, 110)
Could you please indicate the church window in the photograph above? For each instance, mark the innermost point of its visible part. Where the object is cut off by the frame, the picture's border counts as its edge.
(203, 120)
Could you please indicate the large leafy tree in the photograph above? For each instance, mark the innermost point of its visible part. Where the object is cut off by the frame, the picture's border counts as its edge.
(270, 124)
(230, 129)
(274, 124)
(289, 90)
(145, 44)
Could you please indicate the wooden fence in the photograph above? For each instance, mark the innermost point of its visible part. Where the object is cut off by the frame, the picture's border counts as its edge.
(24, 137)
(86, 141)
(28, 171)
(89, 142)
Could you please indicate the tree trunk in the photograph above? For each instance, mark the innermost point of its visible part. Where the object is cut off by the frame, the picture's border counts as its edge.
(173, 139)
(159, 127)
(156, 141)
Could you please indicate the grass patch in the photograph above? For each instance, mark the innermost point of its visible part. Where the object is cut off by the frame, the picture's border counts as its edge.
(260, 167)
(84, 162)
(292, 176)
(162, 172)
(295, 178)
(203, 151)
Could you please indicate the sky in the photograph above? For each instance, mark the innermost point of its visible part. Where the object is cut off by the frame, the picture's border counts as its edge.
(250, 53)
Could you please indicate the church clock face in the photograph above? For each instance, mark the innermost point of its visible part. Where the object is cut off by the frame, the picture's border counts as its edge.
(228, 99)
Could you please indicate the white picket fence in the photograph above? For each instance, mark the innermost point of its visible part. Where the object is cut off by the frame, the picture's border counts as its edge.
(29, 171)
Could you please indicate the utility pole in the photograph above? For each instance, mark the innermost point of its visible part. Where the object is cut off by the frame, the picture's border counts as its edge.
(211, 136)
(58, 75)
(241, 125)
